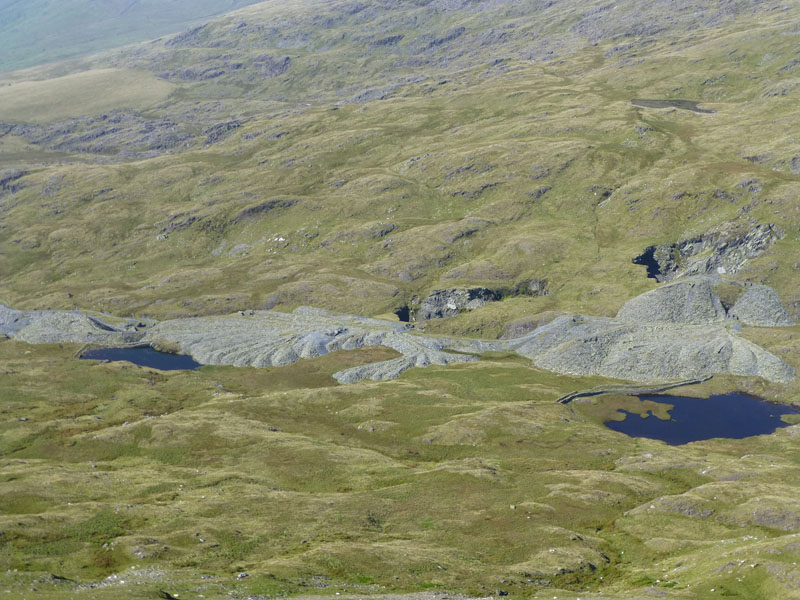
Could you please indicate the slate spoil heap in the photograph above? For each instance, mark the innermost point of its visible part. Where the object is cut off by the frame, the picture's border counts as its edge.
(680, 330)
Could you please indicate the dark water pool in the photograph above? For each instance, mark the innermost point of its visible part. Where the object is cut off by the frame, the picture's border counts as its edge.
(733, 416)
(682, 104)
(648, 259)
(144, 357)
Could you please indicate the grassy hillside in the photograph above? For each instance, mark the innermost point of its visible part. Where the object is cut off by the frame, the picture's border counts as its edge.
(493, 175)
(461, 479)
(40, 31)
(356, 156)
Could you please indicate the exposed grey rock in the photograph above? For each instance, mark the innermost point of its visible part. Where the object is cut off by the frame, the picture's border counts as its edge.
(539, 192)
(392, 40)
(752, 185)
(760, 306)
(115, 133)
(239, 249)
(9, 180)
(12, 321)
(372, 94)
(262, 208)
(269, 338)
(723, 251)
(676, 331)
(66, 327)
(236, 64)
(428, 41)
(646, 352)
(54, 326)
(270, 66)
(687, 301)
(392, 369)
(220, 131)
(450, 302)
(694, 301)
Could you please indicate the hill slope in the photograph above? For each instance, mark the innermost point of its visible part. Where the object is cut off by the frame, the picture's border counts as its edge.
(527, 158)
(461, 170)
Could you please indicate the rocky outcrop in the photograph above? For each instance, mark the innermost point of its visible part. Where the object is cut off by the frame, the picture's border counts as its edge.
(220, 131)
(450, 302)
(532, 287)
(722, 251)
(119, 133)
(760, 306)
(9, 180)
(272, 66)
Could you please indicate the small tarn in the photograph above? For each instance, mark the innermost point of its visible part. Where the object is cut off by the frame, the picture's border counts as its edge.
(403, 314)
(648, 259)
(144, 357)
(732, 416)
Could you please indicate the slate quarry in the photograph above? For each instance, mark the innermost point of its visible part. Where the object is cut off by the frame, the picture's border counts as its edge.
(680, 330)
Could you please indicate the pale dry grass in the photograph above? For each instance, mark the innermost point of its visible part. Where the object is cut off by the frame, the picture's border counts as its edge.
(88, 92)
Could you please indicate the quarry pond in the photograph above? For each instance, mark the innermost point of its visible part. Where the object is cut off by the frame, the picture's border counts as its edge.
(144, 357)
(682, 419)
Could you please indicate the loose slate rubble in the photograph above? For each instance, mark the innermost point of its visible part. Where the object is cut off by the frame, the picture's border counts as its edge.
(270, 338)
(646, 352)
(678, 331)
(63, 327)
(691, 301)
(760, 306)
